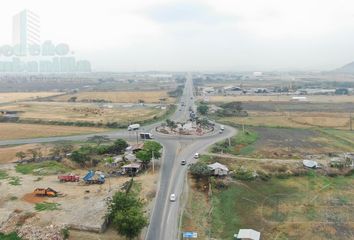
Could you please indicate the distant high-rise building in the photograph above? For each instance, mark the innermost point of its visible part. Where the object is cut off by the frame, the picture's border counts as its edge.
(26, 30)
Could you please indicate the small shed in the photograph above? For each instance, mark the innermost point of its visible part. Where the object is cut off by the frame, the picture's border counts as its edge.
(132, 168)
(218, 169)
(247, 234)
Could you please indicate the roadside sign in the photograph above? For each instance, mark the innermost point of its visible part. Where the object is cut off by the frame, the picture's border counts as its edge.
(190, 235)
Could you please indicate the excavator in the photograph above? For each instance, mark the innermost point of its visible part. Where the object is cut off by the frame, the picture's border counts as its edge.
(45, 192)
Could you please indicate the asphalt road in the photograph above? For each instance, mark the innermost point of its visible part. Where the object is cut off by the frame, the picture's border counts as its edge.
(165, 216)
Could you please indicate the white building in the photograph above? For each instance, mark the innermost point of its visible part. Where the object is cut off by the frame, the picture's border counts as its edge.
(218, 169)
(247, 234)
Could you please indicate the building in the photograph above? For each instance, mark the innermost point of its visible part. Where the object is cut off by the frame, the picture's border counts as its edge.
(247, 234)
(218, 169)
(26, 31)
(231, 90)
(132, 168)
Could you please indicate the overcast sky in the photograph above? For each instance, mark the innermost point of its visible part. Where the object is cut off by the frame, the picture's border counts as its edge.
(235, 35)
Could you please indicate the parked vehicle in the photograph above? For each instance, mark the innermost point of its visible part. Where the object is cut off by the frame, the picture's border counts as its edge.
(183, 162)
(93, 178)
(146, 136)
(196, 155)
(45, 192)
(69, 178)
(173, 197)
(133, 127)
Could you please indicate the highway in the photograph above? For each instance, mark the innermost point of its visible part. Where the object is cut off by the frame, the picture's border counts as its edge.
(165, 215)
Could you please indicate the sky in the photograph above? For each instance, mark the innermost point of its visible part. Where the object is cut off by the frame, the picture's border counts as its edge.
(196, 35)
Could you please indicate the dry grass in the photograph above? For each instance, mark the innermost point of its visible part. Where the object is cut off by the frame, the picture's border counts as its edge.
(21, 96)
(83, 112)
(294, 119)
(120, 97)
(18, 131)
(254, 98)
(8, 154)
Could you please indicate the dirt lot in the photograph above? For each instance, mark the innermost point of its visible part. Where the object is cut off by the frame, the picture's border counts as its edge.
(120, 97)
(17, 131)
(21, 96)
(80, 207)
(82, 112)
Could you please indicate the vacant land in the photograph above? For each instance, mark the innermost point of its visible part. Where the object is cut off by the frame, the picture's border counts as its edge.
(310, 207)
(283, 143)
(22, 96)
(83, 112)
(8, 153)
(17, 131)
(119, 97)
(338, 120)
(283, 98)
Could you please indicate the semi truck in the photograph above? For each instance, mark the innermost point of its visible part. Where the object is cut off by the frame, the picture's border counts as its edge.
(133, 127)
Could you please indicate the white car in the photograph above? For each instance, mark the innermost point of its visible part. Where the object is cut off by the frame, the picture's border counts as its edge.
(173, 197)
(196, 155)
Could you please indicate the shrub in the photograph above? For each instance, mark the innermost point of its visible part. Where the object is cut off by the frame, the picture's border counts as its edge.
(244, 174)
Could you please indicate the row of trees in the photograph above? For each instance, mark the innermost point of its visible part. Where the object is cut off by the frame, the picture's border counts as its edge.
(59, 150)
(85, 153)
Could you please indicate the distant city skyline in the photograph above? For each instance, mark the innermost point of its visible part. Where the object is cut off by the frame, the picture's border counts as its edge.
(25, 29)
(180, 35)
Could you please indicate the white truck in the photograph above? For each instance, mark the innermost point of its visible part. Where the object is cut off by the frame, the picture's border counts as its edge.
(133, 127)
(222, 128)
(146, 136)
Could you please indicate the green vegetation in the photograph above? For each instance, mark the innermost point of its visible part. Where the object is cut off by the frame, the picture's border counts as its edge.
(10, 236)
(46, 206)
(126, 214)
(241, 144)
(42, 168)
(203, 109)
(65, 233)
(177, 92)
(200, 169)
(3, 174)
(283, 201)
(231, 109)
(13, 198)
(15, 181)
(152, 149)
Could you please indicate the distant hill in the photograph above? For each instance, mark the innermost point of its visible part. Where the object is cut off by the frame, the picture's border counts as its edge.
(348, 68)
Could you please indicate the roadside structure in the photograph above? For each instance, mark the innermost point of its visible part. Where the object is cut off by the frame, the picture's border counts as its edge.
(218, 169)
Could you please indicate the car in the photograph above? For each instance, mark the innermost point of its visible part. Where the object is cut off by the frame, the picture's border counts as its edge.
(173, 197)
(196, 155)
(183, 162)
(221, 131)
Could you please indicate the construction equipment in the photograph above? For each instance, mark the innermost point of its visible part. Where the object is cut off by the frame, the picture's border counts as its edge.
(93, 178)
(45, 192)
(69, 178)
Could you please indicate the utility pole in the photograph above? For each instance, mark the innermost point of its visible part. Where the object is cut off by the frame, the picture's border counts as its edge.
(137, 137)
(153, 164)
(350, 122)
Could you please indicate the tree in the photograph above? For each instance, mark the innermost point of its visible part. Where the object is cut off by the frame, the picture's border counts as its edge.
(203, 109)
(61, 149)
(171, 124)
(98, 139)
(200, 169)
(36, 152)
(153, 148)
(118, 146)
(80, 157)
(21, 155)
(144, 156)
(126, 213)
